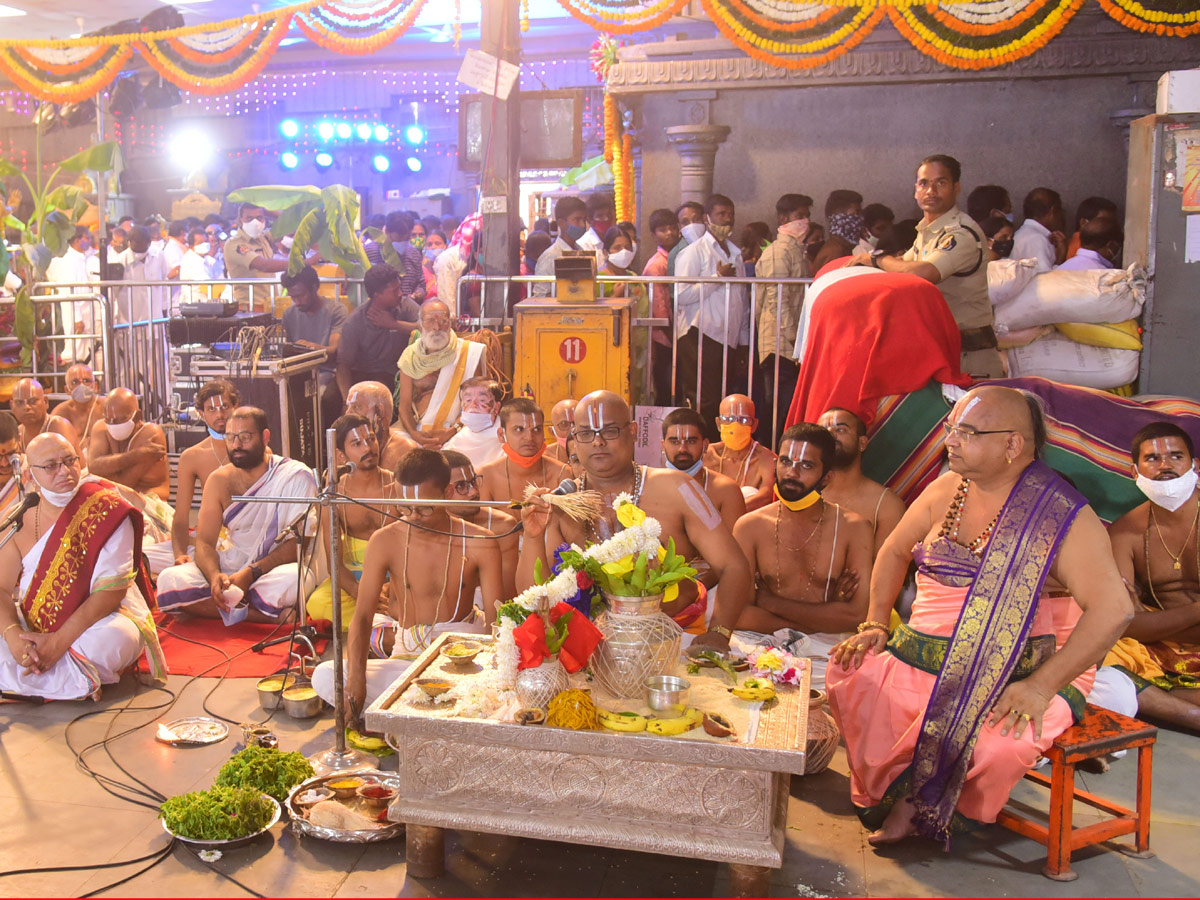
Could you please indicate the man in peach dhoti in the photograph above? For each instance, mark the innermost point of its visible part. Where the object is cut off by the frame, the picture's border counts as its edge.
(432, 369)
(943, 718)
(74, 592)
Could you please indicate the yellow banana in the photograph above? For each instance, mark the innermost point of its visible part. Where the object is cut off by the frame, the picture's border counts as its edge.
(669, 727)
(615, 721)
(754, 689)
(695, 715)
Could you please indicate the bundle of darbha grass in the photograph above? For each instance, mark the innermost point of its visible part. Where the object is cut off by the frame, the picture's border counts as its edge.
(582, 506)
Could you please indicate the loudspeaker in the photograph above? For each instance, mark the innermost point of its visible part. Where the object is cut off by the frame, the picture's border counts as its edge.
(290, 402)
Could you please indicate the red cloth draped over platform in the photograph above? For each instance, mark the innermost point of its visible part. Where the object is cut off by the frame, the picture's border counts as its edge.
(869, 337)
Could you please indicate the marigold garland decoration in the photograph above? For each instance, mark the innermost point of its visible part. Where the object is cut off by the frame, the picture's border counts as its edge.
(627, 211)
(229, 72)
(623, 16)
(610, 126)
(358, 28)
(1176, 18)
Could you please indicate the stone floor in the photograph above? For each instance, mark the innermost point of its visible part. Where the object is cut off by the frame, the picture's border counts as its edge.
(56, 815)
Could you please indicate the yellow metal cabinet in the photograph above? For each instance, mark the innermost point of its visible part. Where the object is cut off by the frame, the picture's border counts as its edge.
(566, 350)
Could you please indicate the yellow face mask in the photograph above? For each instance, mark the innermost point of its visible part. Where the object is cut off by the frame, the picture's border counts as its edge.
(735, 436)
(796, 505)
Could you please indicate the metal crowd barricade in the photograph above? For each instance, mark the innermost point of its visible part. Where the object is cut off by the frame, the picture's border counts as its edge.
(493, 314)
(78, 346)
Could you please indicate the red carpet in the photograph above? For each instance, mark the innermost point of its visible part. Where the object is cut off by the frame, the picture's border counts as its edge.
(187, 658)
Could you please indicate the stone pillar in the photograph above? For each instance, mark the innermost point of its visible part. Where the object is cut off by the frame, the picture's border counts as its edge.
(697, 148)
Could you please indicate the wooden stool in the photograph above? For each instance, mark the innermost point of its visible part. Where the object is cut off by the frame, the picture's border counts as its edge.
(1100, 732)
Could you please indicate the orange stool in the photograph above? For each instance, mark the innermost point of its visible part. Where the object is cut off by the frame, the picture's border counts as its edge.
(1099, 733)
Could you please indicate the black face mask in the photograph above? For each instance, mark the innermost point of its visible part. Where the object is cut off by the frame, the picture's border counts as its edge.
(813, 248)
(1003, 247)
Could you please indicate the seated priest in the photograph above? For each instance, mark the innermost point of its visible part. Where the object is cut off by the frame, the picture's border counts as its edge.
(74, 593)
(10, 462)
(246, 558)
(971, 691)
(84, 408)
(432, 369)
(374, 401)
(479, 436)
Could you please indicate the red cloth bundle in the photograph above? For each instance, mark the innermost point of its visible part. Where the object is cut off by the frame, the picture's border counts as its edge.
(582, 638)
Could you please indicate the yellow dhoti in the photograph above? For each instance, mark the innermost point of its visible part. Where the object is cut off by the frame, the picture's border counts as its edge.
(320, 601)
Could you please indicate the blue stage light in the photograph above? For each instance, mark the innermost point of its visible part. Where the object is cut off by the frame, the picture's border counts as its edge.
(323, 160)
(414, 134)
(289, 128)
(289, 160)
(343, 130)
(414, 164)
(363, 130)
(382, 133)
(381, 163)
(325, 131)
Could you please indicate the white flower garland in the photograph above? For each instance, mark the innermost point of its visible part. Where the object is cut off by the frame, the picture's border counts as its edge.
(507, 655)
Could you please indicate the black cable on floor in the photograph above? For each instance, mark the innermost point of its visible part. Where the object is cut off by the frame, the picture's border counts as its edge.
(163, 854)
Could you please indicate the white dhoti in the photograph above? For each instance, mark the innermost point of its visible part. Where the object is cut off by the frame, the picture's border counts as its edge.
(409, 644)
(252, 530)
(103, 651)
(813, 647)
(160, 555)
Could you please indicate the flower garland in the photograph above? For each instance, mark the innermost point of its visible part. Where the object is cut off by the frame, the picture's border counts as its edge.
(627, 211)
(195, 79)
(610, 126)
(1134, 15)
(342, 34)
(623, 16)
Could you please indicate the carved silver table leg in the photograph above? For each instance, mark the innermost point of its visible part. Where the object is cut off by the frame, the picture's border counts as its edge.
(425, 850)
(747, 881)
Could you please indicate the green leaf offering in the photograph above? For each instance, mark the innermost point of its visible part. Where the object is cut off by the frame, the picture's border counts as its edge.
(265, 770)
(218, 814)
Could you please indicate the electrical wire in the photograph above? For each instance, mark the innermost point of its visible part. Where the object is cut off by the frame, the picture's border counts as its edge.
(383, 512)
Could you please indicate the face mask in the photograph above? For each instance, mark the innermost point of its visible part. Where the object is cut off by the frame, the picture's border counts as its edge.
(574, 233)
(57, 498)
(1170, 494)
(621, 259)
(1009, 216)
(847, 226)
(432, 253)
(418, 242)
(216, 435)
(121, 430)
(254, 228)
(525, 462)
(287, 241)
(803, 503)
(1003, 247)
(795, 229)
(477, 421)
(692, 470)
(735, 436)
(202, 249)
(83, 393)
(720, 232)
(635, 250)
(140, 256)
(693, 232)
(872, 240)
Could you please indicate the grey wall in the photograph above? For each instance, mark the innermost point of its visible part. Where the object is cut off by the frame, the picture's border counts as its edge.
(1021, 134)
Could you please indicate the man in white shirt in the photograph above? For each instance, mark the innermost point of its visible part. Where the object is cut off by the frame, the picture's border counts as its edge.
(1099, 245)
(77, 315)
(719, 313)
(1041, 235)
(571, 215)
(601, 216)
(142, 263)
(195, 267)
(173, 252)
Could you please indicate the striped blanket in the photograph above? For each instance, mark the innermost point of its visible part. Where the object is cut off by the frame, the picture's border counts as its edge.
(1089, 435)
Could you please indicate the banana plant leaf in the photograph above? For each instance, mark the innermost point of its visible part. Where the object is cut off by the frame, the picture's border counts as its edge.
(390, 256)
(276, 197)
(68, 197)
(4, 261)
(23, 325)
(57, 231)
(9, 169)
(310, 230)
(99, 157)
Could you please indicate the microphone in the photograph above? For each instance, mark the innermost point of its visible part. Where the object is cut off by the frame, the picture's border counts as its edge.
(15, 461)
(18, 514)
(566, 486)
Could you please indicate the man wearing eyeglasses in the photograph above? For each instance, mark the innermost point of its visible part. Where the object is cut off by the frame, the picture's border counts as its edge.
(950, 252)
(214, 402)
(84, 408)
(358, 449)
(683, 446)
(246, 560)
(464, 485)
(33, 413)
(604, 438)
(434, 563)
(73, 590)
(738, 455)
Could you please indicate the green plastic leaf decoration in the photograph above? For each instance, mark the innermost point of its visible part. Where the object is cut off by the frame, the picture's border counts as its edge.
(98, 158)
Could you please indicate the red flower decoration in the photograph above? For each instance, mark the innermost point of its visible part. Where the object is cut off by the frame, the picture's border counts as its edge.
(583, 580)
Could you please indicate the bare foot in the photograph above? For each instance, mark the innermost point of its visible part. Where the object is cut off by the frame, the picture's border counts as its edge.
(1097, 765)
(897, 826)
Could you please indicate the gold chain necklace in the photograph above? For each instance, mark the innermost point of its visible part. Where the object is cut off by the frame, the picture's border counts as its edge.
(1176, 558)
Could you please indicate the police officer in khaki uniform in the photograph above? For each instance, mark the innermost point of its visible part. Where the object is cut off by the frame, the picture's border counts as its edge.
(951, 252)
(250, 253)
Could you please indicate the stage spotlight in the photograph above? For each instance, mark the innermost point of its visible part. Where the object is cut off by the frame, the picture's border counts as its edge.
(343, 130)
(382, 133)
(325, 131)
(323, 160)
(414, 164)
(414, 134)
(289, 160)
(381, 163)
(363, 130)
(289, 128)
(191, 149)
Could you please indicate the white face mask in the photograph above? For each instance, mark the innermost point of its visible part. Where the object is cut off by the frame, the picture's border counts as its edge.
(140, 256)
(254, 228)
(1170, 494)
(621, 259)
(693, 232)
(202, 249)
(55, 498)
(121, 430)
(477, 421)
(287, 242)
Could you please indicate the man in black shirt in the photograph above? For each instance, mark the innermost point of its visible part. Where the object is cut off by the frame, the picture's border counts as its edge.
(377, 332)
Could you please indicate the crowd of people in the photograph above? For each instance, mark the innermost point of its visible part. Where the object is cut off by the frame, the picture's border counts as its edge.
(793, 544)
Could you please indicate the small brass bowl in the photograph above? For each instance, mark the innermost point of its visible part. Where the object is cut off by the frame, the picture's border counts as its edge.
(462, 652)
(434, 687)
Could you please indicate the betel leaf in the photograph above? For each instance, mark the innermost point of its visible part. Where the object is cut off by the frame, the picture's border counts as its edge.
(98, 157)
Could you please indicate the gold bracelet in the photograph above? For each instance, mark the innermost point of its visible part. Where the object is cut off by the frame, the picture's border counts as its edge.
(866, 626)
(4, 634)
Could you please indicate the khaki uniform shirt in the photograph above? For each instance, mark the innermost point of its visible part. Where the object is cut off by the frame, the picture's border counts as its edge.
(953, 243)
(778, 323)
(240, 251)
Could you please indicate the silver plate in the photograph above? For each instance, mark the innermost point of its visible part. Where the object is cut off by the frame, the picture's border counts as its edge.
(196, 730)
(301, 825)
(232, 843)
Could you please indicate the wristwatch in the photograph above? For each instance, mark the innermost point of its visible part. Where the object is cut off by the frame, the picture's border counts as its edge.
(256, 572)
(875, 254)
(721, 630)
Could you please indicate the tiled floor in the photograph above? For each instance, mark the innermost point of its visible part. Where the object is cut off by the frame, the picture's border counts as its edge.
(55, 815)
